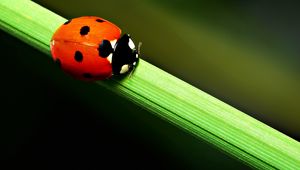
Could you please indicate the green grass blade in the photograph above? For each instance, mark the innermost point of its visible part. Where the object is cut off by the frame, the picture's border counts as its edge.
(168, 97)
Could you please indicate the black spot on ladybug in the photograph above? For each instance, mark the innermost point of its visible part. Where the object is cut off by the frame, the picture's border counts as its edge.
(87, 75)
(67, 22)
(57, 62)
(84, 30)
(100, 20)
(105, 48)
(78, 56)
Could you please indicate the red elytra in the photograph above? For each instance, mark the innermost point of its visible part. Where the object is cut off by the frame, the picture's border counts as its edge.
(91, 48)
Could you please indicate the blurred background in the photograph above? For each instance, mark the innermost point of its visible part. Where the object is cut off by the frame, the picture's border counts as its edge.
(244, 53)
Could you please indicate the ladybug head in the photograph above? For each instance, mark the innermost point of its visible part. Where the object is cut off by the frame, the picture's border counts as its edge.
(125, 55)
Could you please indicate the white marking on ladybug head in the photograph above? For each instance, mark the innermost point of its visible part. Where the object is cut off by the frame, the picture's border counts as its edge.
(109, 57)
(131, 44)
(134, 63)
(113, 43)
(136, 55)
(124, 69)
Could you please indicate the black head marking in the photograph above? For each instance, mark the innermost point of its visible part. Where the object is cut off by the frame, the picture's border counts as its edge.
(67, 22)
(78, 56)
(105, 48)
(100, 20)
(87, 75)
(84, 30)
(57, 62)
(123, 55)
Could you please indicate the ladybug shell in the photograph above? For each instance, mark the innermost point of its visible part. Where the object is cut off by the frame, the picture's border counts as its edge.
(75, 47)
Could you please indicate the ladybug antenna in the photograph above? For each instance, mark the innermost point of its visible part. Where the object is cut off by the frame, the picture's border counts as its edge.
(139, 48)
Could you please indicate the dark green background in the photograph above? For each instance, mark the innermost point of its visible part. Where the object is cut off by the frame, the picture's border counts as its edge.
(244, 53)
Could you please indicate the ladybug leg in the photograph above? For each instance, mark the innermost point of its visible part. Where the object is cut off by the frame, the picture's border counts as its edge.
(135, 63)
(133, 69)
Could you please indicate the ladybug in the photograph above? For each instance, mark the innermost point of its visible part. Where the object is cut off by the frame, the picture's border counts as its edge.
(91, 48)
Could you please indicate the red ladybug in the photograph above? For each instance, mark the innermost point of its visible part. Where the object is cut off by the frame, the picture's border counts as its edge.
(91, 48)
